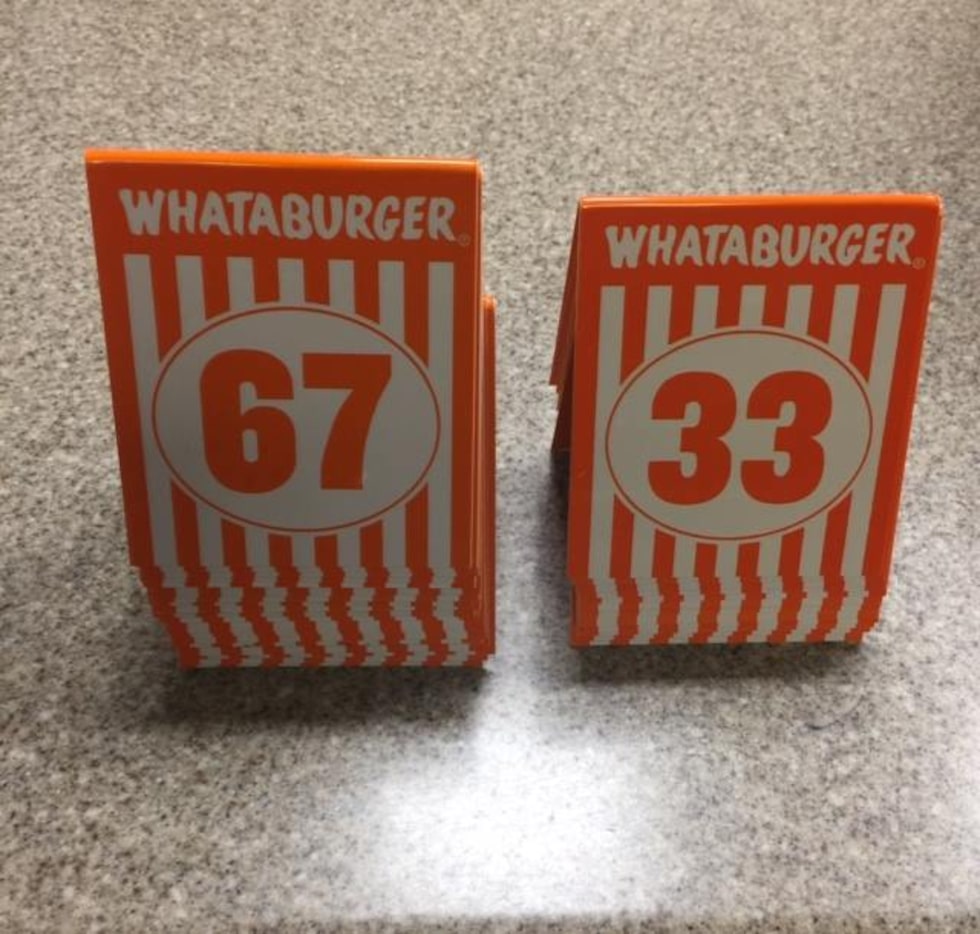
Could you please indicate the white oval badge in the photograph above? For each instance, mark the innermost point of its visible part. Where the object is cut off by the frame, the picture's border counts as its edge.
(738, 435)
(296, 418)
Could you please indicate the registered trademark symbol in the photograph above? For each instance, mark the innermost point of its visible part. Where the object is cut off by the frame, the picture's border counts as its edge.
(919, 263)
(464, 240)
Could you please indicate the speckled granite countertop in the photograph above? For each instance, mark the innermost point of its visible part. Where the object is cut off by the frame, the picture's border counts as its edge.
(799, 789)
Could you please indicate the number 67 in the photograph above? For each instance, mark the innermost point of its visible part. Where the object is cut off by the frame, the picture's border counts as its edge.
(225, 422)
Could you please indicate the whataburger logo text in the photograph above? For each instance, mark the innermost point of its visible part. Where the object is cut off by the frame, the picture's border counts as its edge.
(290, 216)
(764, 246)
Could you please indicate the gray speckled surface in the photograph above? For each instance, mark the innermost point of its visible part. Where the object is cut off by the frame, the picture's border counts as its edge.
(795, 789)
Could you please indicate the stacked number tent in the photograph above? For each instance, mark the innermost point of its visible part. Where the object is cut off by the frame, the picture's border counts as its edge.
(302, 373)
(736, 379)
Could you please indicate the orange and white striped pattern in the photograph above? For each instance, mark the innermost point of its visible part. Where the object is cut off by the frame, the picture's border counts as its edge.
(640, 583)
(401, 589)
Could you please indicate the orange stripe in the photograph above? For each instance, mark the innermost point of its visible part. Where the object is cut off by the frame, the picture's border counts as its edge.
(866, 328)
(327, 560)
(895, 438)
(189, 557)
(316, 280)
(628, 617)
(488, 529)
(233, 541)
(774, 309)
(295, 606)
(747, 568)
(372, 558)
(281, 559)
(264, 630)
(214, 271)
(350, 633)
(372, 554)
(316, 289)
(424, 609)
(265, 272)
(417, 509)
(236, 558)
(417, 533)
(835, 537)
(161, 602)
(729, 304)
(868, 615)
(216, 297)
(663, 572)
(789, 571)
(705, 561)
(210, 610)
(585, 614)
(466, 367)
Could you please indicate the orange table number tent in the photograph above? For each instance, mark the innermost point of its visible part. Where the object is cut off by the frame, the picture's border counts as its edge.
(736, 377)
(301, 363)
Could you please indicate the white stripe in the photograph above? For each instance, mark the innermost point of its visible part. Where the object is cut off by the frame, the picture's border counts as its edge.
(752, 312)
(326, 627)
(705, 317)
(768, 565)
(890, 314)
(349, 557)
(372, 635)
(454, 628)
(241, 292)
(841, 330)
(704, 321)
(847, 616)
(241, 287)
(391, 317)
(798, 308)
(190, 292)
(607, 624)
(751, 306)
(304, 556)
(611, 309)
(229, 605)
(274, 610)
(186, 609)
(273, 605)
(842, 321)
(654, 344)
(799, 299)
(753, 303)
(292, 285)
(341, 298)
(440, 483)
(146, 359)
(401, 608)
(193, 316)
(292, 291)
(341, 273)
(391, 299)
